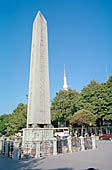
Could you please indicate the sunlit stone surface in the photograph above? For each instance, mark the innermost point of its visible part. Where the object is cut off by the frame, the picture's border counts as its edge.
(38, 96)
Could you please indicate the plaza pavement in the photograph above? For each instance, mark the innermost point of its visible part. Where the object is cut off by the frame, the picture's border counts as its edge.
(100, 159)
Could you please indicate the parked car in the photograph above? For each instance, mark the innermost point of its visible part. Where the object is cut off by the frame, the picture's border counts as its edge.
(105, 137)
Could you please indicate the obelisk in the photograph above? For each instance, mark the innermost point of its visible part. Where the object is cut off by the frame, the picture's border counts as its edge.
(39, 96)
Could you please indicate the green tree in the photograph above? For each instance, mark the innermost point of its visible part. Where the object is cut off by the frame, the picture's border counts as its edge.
(17, 119)
(4, 122)
(97, 98)
(83, 118)
(108, 99)
(63, 106)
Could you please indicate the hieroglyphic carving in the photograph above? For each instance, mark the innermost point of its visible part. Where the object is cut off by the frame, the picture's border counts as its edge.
(39, 97)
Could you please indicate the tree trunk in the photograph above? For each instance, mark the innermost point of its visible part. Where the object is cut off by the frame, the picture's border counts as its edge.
(82, 130)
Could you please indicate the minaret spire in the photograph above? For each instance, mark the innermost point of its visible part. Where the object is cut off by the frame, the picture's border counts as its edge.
(65, 86)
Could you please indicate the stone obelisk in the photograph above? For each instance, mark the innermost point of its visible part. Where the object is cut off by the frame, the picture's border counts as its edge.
(38, 97)
(38, 139)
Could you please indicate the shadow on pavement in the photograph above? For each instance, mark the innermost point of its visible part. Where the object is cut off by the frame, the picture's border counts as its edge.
(61, 169)
(29, 164)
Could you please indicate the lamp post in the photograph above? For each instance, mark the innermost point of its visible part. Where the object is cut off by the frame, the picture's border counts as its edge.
(90, 128)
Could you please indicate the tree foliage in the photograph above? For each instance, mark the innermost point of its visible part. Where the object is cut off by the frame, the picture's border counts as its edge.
(97, 98)
(63, 106)
(4, 123)
(12, 123)
(83, 117)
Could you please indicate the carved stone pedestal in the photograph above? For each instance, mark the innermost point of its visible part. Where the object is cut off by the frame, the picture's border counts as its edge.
(39, 142)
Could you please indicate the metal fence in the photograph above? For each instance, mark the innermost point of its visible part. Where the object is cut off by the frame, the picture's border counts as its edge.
(62, 145)
(9, 149)
(88, 143)
(13, 148)
(76, 144)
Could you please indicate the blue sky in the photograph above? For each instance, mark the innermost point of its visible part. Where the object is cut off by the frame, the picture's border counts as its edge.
(79, 36)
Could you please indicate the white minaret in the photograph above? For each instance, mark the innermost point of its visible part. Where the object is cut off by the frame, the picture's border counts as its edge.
(65, 86)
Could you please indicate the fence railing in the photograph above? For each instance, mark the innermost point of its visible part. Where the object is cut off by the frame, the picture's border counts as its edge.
(88, 143)
(11, 148)
(76, 144)
(62, 145)
(14, 149)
